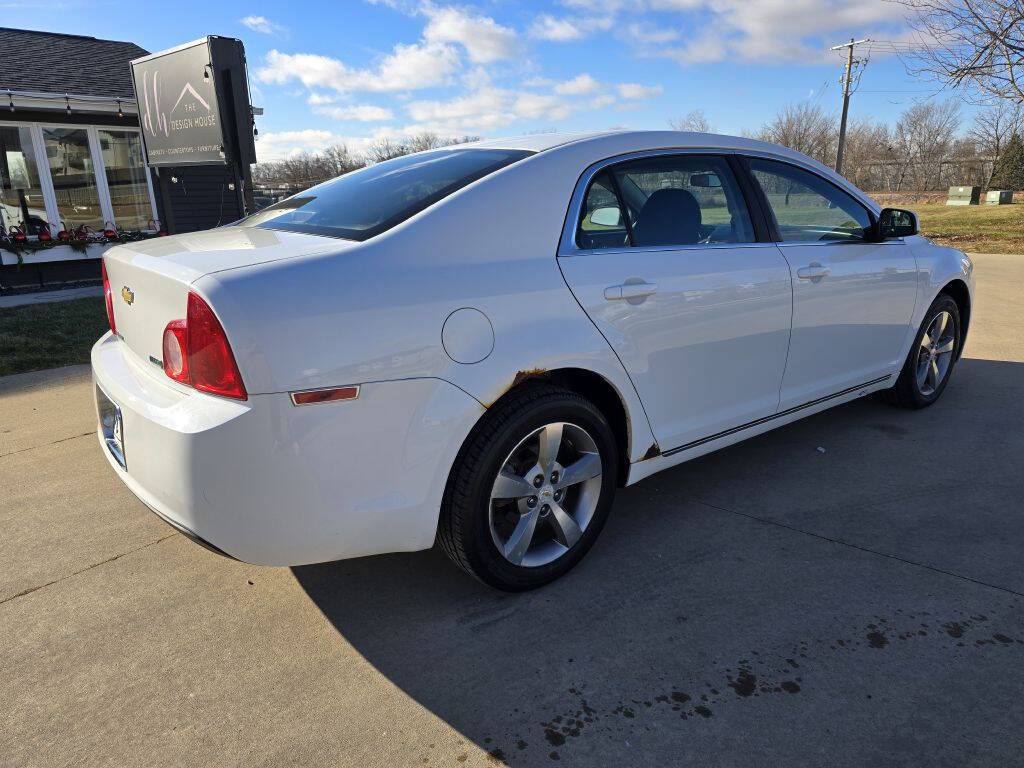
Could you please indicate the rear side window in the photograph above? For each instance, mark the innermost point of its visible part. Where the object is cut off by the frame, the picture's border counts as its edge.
(808, 208)
(665, 200)
(369, 201)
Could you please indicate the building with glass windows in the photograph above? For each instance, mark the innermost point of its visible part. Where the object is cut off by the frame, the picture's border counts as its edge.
(71, 159)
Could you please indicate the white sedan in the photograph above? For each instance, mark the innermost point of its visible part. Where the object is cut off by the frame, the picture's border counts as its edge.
(478, 344)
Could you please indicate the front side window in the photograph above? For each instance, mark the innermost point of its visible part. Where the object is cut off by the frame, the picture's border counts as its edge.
(366, 202)
(21, 196)
(665, 201)
(74, 178)
(808, 208)
(126, 178)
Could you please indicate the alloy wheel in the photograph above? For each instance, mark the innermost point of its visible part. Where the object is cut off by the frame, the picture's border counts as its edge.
(545, 494)
(935, 354)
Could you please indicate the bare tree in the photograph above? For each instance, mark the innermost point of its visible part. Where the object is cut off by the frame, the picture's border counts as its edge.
(923, 136)
(306, 169)
(993, 127)
(805, 127)
(977, 44)
(868, 148)
(387, 149)
(694, 120)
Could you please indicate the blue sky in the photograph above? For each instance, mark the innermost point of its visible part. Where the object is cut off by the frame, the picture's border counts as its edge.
(354, 72)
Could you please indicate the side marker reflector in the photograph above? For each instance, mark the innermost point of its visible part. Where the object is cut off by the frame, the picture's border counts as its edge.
(311, 396)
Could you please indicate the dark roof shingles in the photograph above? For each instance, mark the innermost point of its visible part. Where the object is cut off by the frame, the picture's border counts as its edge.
(55, 63)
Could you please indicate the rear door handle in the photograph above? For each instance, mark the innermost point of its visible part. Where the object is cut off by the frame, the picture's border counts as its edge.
(813, 272)
(630, 291)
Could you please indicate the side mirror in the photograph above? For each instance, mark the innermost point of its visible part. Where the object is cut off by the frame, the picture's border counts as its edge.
(606, 217)
(896, 222)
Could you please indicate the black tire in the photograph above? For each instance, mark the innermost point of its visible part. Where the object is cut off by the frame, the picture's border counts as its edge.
(907, 393)
(464, 530)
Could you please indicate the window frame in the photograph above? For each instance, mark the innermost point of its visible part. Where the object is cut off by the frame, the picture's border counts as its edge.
(568, 245)
(96, 155)
(744, 159)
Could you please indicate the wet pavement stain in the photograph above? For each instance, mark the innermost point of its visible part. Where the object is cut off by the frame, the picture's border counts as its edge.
(762, 673)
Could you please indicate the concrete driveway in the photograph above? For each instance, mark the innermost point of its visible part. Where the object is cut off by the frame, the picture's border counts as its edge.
(770, 604)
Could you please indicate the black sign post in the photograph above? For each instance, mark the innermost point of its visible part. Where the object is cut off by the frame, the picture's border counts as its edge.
(194, 110)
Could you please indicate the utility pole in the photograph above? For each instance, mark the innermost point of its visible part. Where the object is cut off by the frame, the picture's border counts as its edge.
(847, 79)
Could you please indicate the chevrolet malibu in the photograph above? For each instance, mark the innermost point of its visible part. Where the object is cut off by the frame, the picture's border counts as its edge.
(477, 344)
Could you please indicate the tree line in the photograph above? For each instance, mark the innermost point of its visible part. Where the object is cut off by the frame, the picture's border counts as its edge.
(928, 148)
(309, 168)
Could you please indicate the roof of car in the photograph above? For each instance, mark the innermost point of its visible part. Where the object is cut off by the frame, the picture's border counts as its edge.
(599, 145)
(644, 140)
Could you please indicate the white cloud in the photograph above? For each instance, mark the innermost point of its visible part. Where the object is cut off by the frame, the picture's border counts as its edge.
(281, 144)
(560, 30)
(638, 91)
(579, 85)
(262, 24)
(483, 38)
(284, 144)
(774, 30)
(408, 67)
(482, 110)
(320, 98)
(366, 113)
(547, 27)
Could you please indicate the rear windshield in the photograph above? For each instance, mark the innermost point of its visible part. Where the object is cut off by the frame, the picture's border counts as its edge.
(369, 201)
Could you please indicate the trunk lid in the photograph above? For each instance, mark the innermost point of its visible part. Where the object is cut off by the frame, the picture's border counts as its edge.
(150, 279)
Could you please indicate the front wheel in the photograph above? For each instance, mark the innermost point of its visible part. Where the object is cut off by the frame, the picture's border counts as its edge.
(932, 357)
(530, 490)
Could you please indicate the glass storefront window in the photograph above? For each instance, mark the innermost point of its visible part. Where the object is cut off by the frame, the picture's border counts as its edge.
(21, 196)
(126, 178)
(74, 180)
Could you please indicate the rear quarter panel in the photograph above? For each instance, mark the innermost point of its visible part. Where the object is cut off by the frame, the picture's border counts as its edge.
(375, 312)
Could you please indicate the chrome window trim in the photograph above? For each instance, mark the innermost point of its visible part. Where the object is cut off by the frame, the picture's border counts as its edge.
(567, 243)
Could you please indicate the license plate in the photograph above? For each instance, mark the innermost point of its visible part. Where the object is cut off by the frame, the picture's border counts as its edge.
(111, 425)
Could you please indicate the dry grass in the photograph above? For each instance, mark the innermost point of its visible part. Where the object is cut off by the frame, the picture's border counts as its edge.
(978, 228)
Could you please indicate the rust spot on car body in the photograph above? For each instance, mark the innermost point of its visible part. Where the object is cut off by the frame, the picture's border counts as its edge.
(529, 373)
(652, 453)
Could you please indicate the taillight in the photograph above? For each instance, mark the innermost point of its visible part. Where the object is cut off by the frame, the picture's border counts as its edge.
(108, 295)
(197, 353)
(175, 356)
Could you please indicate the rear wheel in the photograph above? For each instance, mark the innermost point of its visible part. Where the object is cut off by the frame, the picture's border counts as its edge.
(932, 357)
(531, 489)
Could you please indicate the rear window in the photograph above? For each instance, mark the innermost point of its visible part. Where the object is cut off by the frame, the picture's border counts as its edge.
(369, 201)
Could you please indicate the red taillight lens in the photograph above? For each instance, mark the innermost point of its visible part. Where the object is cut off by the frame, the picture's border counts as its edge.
(108, 295)
(175, 351)
(197, 353)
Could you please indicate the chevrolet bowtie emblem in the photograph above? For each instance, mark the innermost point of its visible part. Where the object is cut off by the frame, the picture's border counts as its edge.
(127, 295)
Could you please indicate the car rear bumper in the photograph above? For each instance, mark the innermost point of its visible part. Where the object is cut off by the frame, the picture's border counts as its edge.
(272, 483)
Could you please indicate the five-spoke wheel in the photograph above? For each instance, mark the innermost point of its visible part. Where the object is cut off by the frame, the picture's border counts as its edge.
(932, 357)
(531, 489)
(545, 494)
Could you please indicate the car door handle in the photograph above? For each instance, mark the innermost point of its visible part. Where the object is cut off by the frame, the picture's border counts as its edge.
(630, 291)
(812, 272)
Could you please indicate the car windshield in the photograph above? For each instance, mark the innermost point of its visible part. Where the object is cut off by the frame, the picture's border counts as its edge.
(369, 201)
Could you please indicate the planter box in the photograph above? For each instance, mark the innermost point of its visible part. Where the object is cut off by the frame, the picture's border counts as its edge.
(54, 253)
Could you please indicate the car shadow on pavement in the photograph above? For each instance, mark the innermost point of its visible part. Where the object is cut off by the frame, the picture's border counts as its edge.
(842, 589)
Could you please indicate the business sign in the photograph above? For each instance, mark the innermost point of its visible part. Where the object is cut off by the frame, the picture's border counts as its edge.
(187, 103)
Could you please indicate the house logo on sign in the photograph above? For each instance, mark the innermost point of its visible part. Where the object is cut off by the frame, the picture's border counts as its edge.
(155, 121)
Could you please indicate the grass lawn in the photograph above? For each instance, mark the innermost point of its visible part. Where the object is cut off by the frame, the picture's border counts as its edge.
(37, 336)
(978, 228)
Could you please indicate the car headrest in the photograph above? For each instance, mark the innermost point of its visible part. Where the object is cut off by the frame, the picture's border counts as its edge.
(669, 217)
